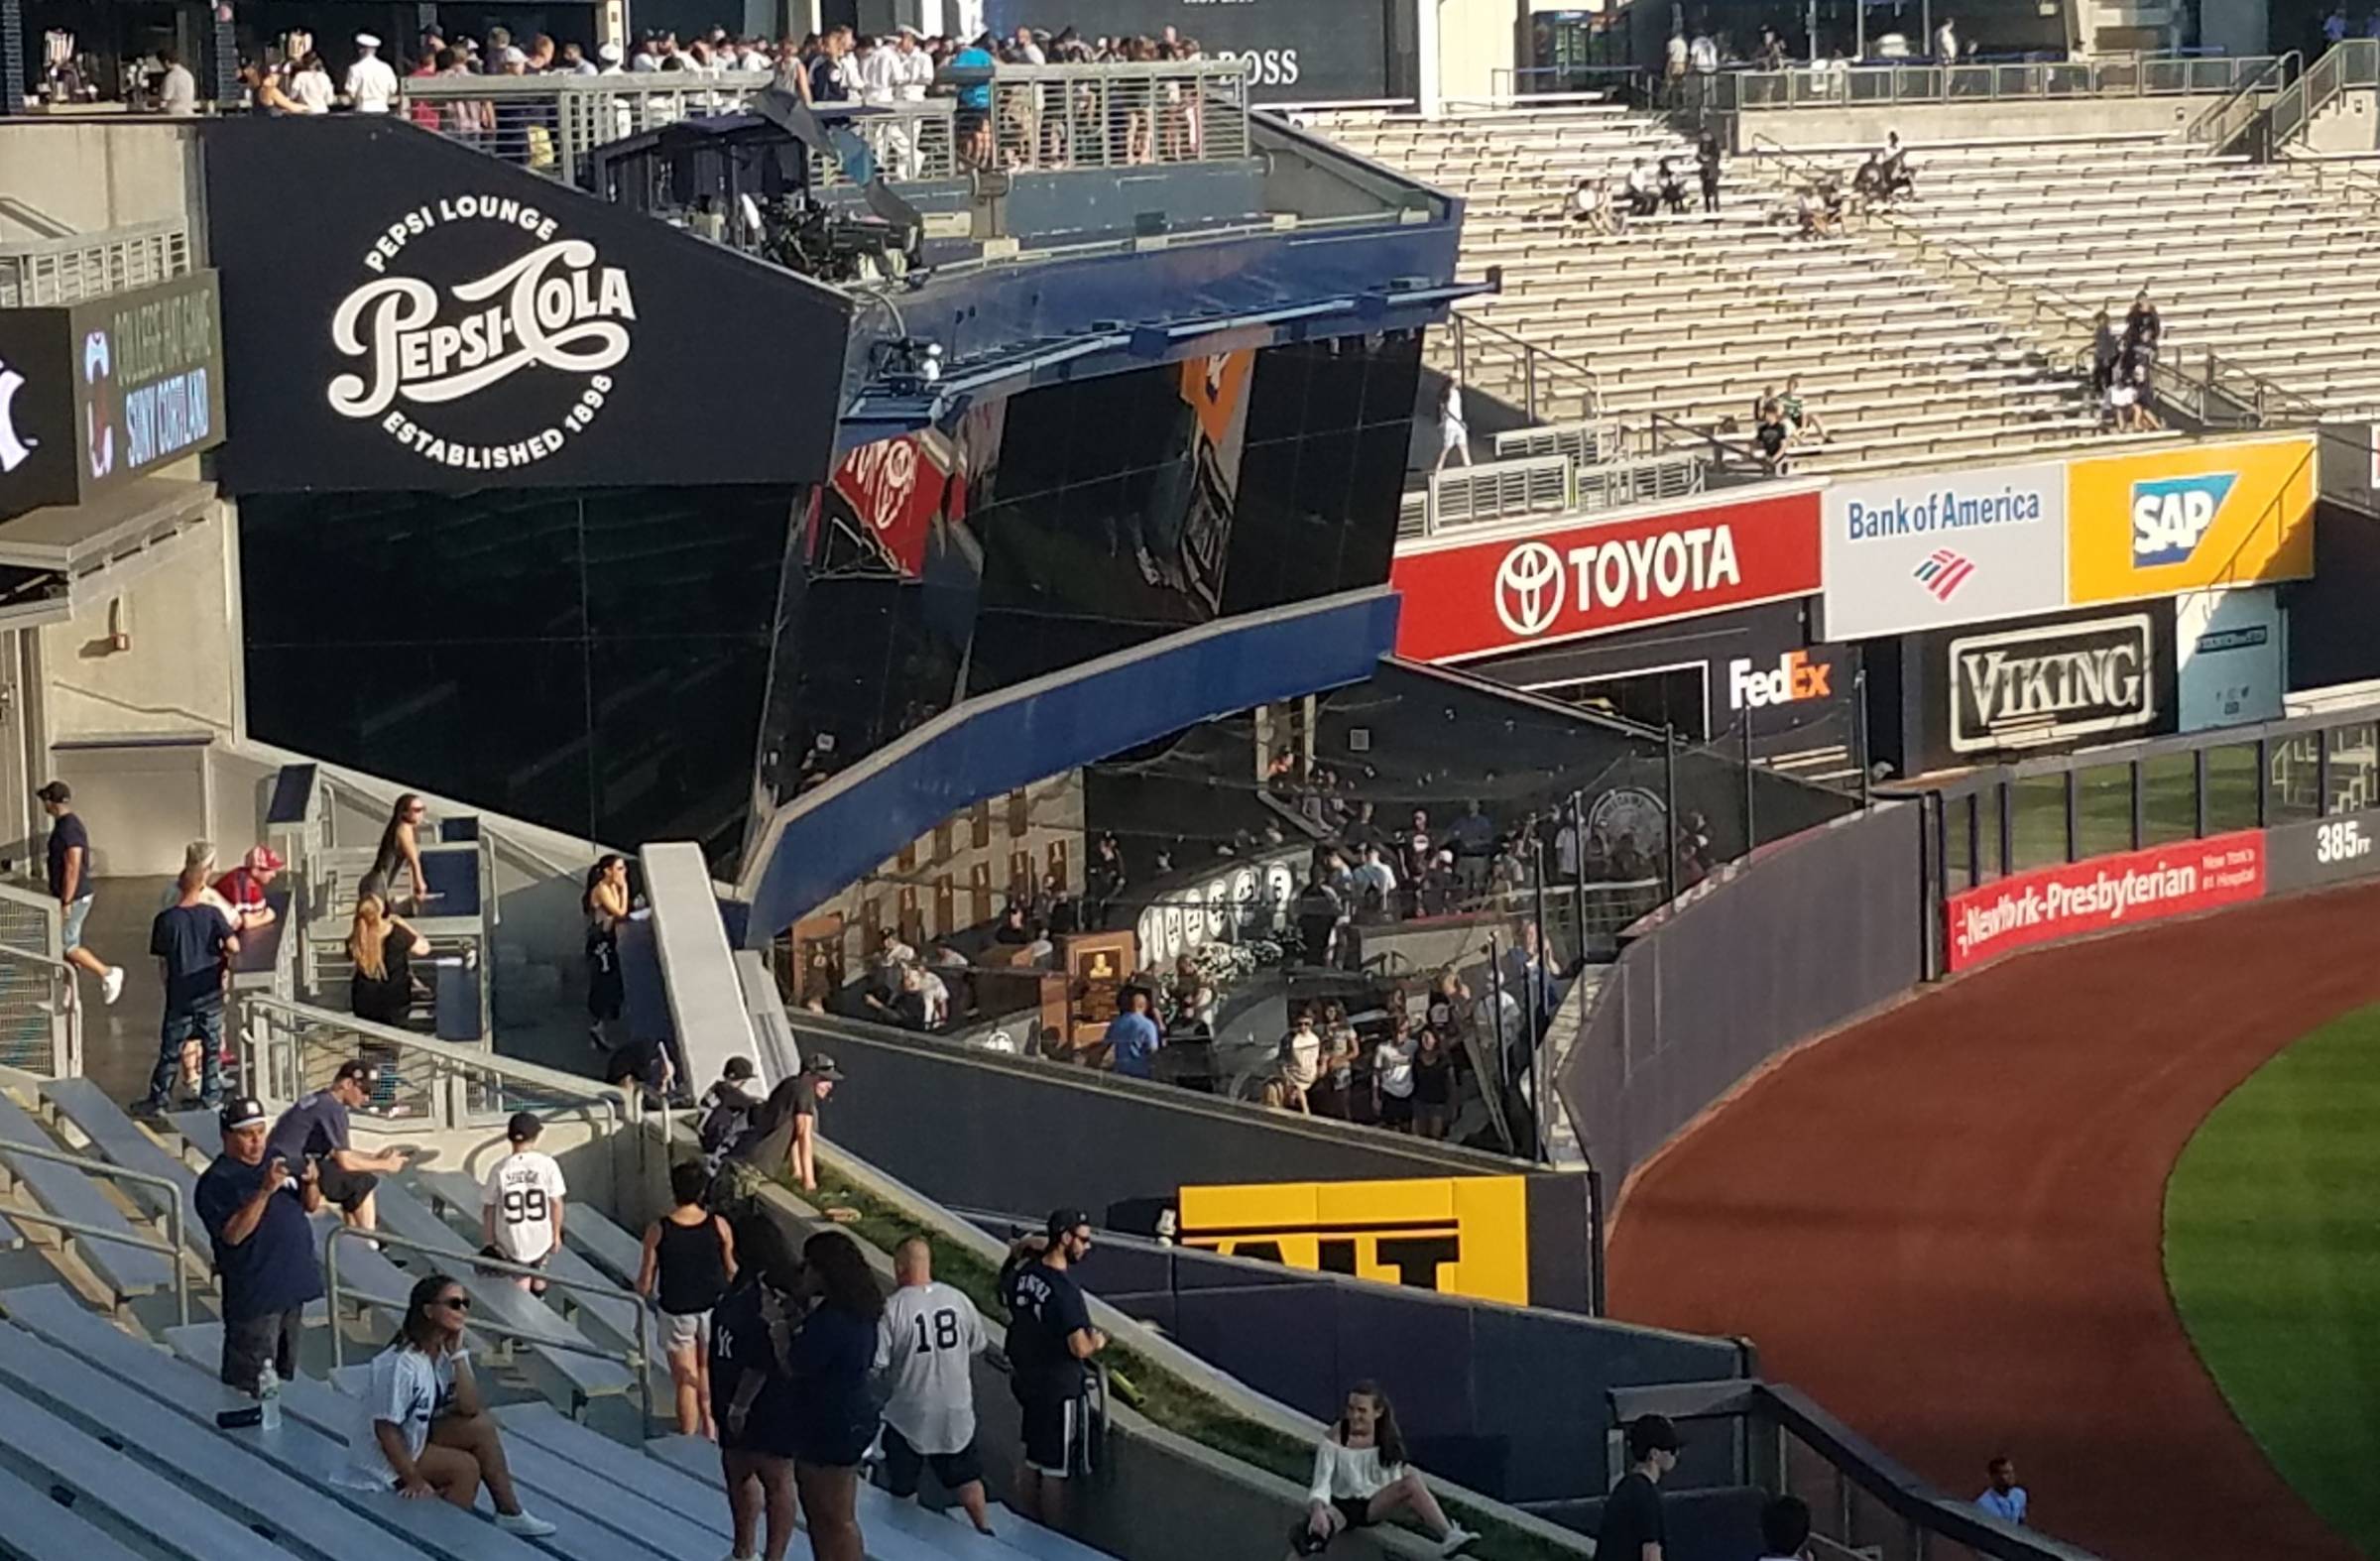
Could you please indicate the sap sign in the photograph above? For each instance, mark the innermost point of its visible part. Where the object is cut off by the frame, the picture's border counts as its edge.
(2170, 514)
(2182, 518)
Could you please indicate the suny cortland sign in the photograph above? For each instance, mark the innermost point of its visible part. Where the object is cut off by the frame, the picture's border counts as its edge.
(1505, 592)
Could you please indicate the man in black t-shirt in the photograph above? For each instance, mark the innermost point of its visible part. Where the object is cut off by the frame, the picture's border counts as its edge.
(1050, 1345)
(1632, 1529)
(254, 1206)
(69, 862)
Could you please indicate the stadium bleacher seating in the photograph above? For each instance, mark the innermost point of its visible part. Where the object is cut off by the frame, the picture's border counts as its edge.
(109, 1449)
(1693, 317)
(2268, 266)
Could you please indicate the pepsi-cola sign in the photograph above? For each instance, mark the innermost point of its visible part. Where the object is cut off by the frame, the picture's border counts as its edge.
(1503, 591)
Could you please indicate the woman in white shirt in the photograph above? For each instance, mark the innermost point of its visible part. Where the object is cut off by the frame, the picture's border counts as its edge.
(421, 1429)
(1360, 1479)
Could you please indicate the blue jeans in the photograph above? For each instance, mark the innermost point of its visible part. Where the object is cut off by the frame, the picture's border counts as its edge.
(204, 1022)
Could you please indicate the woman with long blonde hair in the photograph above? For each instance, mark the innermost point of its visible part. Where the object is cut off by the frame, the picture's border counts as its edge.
(383, 947)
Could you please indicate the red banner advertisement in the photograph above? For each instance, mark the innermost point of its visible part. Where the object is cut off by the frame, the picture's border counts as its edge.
(1505, 593)
(2102, 894)
(894, 487)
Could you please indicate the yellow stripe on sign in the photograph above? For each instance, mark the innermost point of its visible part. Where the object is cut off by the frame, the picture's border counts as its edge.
(2183, 518)
(1461, 1235)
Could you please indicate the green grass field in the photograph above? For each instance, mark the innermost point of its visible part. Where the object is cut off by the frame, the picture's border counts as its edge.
(2272, 1250)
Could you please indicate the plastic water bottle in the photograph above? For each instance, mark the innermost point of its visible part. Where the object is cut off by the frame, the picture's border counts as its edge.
(267, 1396)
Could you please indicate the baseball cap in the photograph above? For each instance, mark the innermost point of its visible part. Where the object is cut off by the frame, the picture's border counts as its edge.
(523, 1127)
(263, 859)
(738, 1068)
(819, 1065)
(243, 1111)
(1061, 1220)
(355, 1071)
(55, 792)
(1650, 1433)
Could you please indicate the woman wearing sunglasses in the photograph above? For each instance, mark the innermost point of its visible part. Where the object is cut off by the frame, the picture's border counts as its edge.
(422, 1428)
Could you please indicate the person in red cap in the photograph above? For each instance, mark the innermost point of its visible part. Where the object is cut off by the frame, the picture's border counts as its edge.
(243, 888)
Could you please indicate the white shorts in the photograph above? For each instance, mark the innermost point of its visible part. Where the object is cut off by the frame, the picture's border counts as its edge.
(686, 1331)
(1456, 436)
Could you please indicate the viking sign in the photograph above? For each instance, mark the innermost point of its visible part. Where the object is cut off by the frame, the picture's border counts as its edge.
(434, 349)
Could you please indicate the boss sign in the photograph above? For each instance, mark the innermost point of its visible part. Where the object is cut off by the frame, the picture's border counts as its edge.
(1512, 588)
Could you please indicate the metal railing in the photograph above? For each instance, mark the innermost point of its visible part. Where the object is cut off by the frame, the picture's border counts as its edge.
(40, 1021)
(289, 1050)
(1024, 117)
(2245, 104)
(1047, 117)
(1544, 485)
(457, 1266)
(548, 124)
(1552, 388)
(2350, 63)
(1882, 87)
(170, 1249)
(41, 273)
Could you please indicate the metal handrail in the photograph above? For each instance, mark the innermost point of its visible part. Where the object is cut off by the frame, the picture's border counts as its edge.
(1926, 82)
(1532, 356)
(442, 1058)
(176, 1233)
(2317, 84)
(66, 1037)
(639, 1360)
(2214, 126)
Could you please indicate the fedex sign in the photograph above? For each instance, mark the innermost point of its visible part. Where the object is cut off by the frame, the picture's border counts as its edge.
(1796, 676)
(1511, 588)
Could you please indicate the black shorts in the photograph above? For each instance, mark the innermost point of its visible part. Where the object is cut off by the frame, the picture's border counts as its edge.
(1357, 1513)
(903, 1463)
(1396, 1110)
(250, 1342)
(1053, 1433)
(346, 1188)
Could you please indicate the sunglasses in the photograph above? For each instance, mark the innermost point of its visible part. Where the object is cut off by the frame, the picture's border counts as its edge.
(455, 1303)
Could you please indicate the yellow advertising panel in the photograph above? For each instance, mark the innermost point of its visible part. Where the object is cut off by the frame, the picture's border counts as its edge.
(1463, 1235)
(2183, 518)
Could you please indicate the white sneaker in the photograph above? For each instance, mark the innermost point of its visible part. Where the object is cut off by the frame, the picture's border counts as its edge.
(1456, 1538)
(111, 985)
(524, 1526)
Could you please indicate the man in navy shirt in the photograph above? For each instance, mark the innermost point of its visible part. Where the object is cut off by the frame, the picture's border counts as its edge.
(1050, 1345)
(190, 940)
(315, 1133)
(254, 1207)
(69, 862)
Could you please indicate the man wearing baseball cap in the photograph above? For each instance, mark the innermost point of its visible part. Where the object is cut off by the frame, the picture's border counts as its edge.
(255, 1208)
(317, 1132)
(243, 888)
(1050, 1345)
(521, 1207)
(1633, 1529)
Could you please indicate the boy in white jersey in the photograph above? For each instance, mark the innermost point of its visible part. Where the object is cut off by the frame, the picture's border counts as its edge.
(521, 1209)
(925, 1348)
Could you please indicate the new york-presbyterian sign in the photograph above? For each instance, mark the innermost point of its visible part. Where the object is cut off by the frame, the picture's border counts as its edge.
(96, 393)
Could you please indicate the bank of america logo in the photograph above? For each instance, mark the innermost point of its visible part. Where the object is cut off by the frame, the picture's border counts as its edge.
(1944, 571)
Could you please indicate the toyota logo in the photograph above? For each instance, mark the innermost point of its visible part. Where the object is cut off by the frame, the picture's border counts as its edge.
(1528, 588)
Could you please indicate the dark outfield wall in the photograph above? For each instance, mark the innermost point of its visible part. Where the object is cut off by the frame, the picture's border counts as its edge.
(981, 1130)
(1825, 927)
(1504, 1400)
